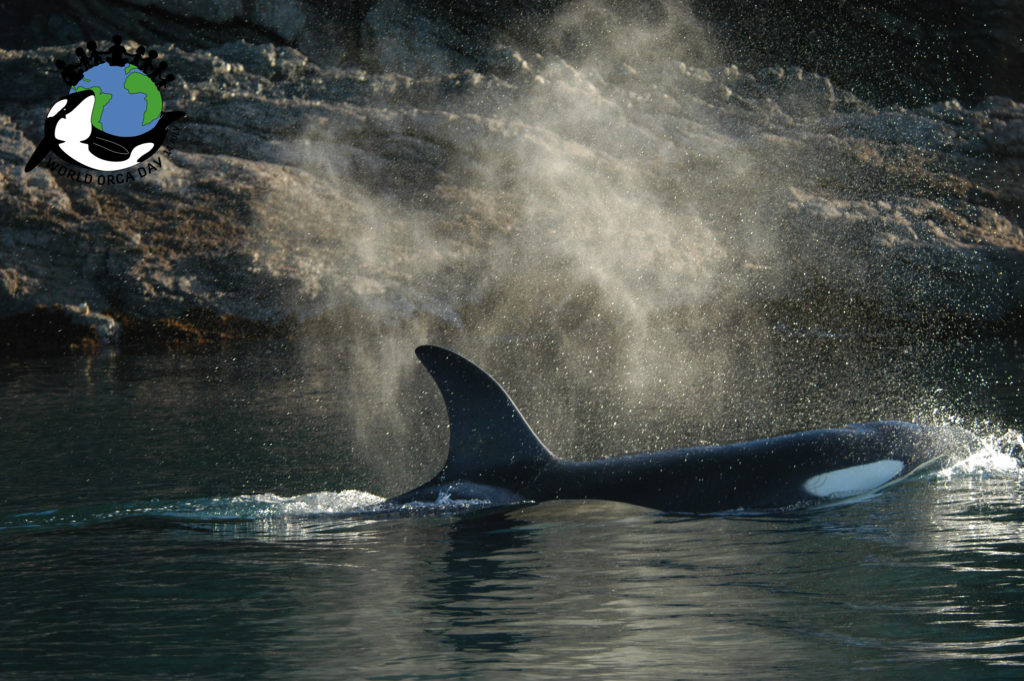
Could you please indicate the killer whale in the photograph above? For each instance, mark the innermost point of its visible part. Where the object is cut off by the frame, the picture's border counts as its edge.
(495, 456)
(69, 133)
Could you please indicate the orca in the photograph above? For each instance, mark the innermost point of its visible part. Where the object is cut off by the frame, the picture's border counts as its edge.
(495, 456)
(70, 134)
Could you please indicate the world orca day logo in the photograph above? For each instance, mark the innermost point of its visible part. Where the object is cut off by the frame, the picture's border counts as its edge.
(112, 120)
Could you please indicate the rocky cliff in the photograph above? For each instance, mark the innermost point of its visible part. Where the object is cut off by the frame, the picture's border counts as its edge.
(507, 168)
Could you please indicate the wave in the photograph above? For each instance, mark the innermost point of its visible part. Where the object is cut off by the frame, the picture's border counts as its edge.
(994, 455)
(259, 512)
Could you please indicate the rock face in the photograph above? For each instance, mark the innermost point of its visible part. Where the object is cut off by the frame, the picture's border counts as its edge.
(507, 169)
(889, 52)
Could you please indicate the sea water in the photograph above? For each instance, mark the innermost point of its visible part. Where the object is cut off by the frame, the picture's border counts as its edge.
(219, 516)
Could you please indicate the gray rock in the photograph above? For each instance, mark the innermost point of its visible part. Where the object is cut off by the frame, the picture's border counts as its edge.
(479, 186)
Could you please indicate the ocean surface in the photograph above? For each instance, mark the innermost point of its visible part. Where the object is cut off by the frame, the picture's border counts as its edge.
(219, 516)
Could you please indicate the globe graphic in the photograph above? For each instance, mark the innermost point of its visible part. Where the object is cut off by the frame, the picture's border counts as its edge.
(127, 104)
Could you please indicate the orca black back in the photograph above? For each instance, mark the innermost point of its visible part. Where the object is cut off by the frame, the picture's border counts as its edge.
(494, 454)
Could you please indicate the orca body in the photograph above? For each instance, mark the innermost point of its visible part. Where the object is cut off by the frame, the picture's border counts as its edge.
(495, 456)
(70, 134)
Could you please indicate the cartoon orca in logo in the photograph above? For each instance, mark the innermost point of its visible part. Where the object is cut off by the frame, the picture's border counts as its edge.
(70, 134)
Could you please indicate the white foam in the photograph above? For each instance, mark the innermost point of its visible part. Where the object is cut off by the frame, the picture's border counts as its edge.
(446, 504)
(267, 506)
(319, 503)
(996, 455)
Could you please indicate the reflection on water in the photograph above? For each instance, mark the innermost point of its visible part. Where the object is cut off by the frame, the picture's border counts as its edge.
(163, 518)
(924, 573)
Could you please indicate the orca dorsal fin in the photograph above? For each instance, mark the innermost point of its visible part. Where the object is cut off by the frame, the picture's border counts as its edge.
(489, 440)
